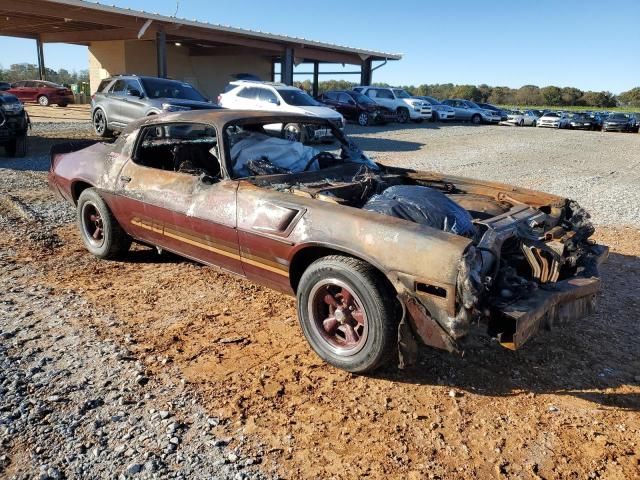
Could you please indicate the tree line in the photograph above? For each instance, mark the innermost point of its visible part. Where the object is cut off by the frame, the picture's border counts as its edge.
(530, 95)
(29, 71)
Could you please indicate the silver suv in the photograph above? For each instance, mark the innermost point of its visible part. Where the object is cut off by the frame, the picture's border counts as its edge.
(124, 98)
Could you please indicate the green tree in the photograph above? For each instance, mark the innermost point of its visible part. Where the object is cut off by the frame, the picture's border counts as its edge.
(631, 97)
(551, 95)
(468, 92)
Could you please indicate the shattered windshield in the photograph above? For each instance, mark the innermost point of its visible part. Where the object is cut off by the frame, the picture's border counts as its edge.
(273, 148)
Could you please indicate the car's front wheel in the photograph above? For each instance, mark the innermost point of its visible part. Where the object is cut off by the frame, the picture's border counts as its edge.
(100, 231)
(403, 115)
(43, 100)
(294, 133)
(100, 124)
(347, 313)
(364, 119)
(476, 119)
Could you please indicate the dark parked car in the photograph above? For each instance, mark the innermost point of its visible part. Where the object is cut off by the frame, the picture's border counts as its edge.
(619, 122)
(378, 257)
(581, 121)
(4, 86)
(125, 98)
(357, 107)
(14, 123)
(44, 93)
(503, 114)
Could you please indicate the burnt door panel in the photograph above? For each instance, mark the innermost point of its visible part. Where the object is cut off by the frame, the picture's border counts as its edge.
(178, 212)
(264, 224)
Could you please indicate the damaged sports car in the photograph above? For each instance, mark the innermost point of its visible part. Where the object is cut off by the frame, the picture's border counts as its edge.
(379, 258)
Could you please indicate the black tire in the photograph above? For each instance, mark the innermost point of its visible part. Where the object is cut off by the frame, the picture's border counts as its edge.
(17, 147)
(435, 117)
(403, 115)
(112, 241)
(476, 119)
(43, 101)
(521, 123)
(535, 123)
(294, 133)
(63, 105)
(364, 119)
(100, 123)
(369, 294)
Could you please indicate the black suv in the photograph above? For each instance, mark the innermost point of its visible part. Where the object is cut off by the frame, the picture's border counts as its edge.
(14, 123)
(357, 107)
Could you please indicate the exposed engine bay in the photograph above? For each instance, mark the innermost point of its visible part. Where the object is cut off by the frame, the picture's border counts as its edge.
(521, 253)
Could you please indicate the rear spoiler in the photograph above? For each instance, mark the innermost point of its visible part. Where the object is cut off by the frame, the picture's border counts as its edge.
(68, 147)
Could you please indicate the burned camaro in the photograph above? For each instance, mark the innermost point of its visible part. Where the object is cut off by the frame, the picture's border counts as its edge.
(378, 257)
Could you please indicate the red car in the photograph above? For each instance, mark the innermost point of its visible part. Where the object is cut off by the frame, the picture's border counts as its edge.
(44, 93)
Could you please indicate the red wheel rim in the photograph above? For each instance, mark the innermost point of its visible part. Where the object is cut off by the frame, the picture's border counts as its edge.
(92, 224)
(338, 316)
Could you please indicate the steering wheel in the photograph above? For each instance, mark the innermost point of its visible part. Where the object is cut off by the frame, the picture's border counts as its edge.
(320, 156)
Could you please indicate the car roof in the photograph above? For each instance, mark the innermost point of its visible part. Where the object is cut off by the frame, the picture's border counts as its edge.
(221, 117)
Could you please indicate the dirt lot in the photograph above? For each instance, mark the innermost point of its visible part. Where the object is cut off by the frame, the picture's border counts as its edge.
(564, 407)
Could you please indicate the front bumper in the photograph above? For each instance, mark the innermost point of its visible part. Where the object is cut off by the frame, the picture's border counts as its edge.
(582, 126)
(549, 124)
(12, 125)
(444, 115)
(565, 301)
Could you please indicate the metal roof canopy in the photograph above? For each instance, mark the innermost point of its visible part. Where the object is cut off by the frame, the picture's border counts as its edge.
(82, 22)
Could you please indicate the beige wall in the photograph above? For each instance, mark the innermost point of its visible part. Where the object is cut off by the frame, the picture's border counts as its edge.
(105, 58)
(207, 74)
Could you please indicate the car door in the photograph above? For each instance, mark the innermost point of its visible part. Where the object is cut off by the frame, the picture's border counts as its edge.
(266, 100)
(187, 211)
(386, 98)
(462, 110)
(131, 105)
(347, 106)
(111, 105)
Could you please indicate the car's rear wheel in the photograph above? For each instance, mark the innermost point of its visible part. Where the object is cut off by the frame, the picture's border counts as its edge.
(403, 115)
(521, 123)
(347, 313)
(63, 104)
(100, 124)
(100, 231)
(43, 100)
(476, 119)
(17, 147)
(435, 117)
(294, 133)
(364, 119)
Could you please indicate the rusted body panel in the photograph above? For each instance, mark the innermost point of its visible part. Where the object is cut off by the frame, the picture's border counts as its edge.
(444, 282)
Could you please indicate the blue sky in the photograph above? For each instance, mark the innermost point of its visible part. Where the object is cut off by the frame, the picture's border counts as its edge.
(592, 45)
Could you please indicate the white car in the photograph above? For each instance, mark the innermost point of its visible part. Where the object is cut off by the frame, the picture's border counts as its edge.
(554, 120)
(280, 98)
(406, 107)
(521, 119)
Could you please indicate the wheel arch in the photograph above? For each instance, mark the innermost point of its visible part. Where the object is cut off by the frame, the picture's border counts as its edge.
(308, 254)
(77, 187)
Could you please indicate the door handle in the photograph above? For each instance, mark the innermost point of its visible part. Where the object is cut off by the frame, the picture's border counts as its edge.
(125, 179)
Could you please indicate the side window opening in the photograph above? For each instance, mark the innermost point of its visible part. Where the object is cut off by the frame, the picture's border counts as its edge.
(189, 148)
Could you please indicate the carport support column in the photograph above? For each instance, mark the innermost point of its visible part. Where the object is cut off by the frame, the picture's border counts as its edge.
(287, 66)
(161, 52)
(366, 72)
(41, 70)
(316, 74)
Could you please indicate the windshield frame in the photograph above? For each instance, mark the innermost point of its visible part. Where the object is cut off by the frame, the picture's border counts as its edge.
(295, 92)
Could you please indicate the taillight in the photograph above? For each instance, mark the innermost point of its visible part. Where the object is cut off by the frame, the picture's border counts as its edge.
(219, 98)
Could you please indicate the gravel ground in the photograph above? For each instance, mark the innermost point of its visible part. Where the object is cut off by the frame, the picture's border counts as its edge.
(599, 170)
(94, 355)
